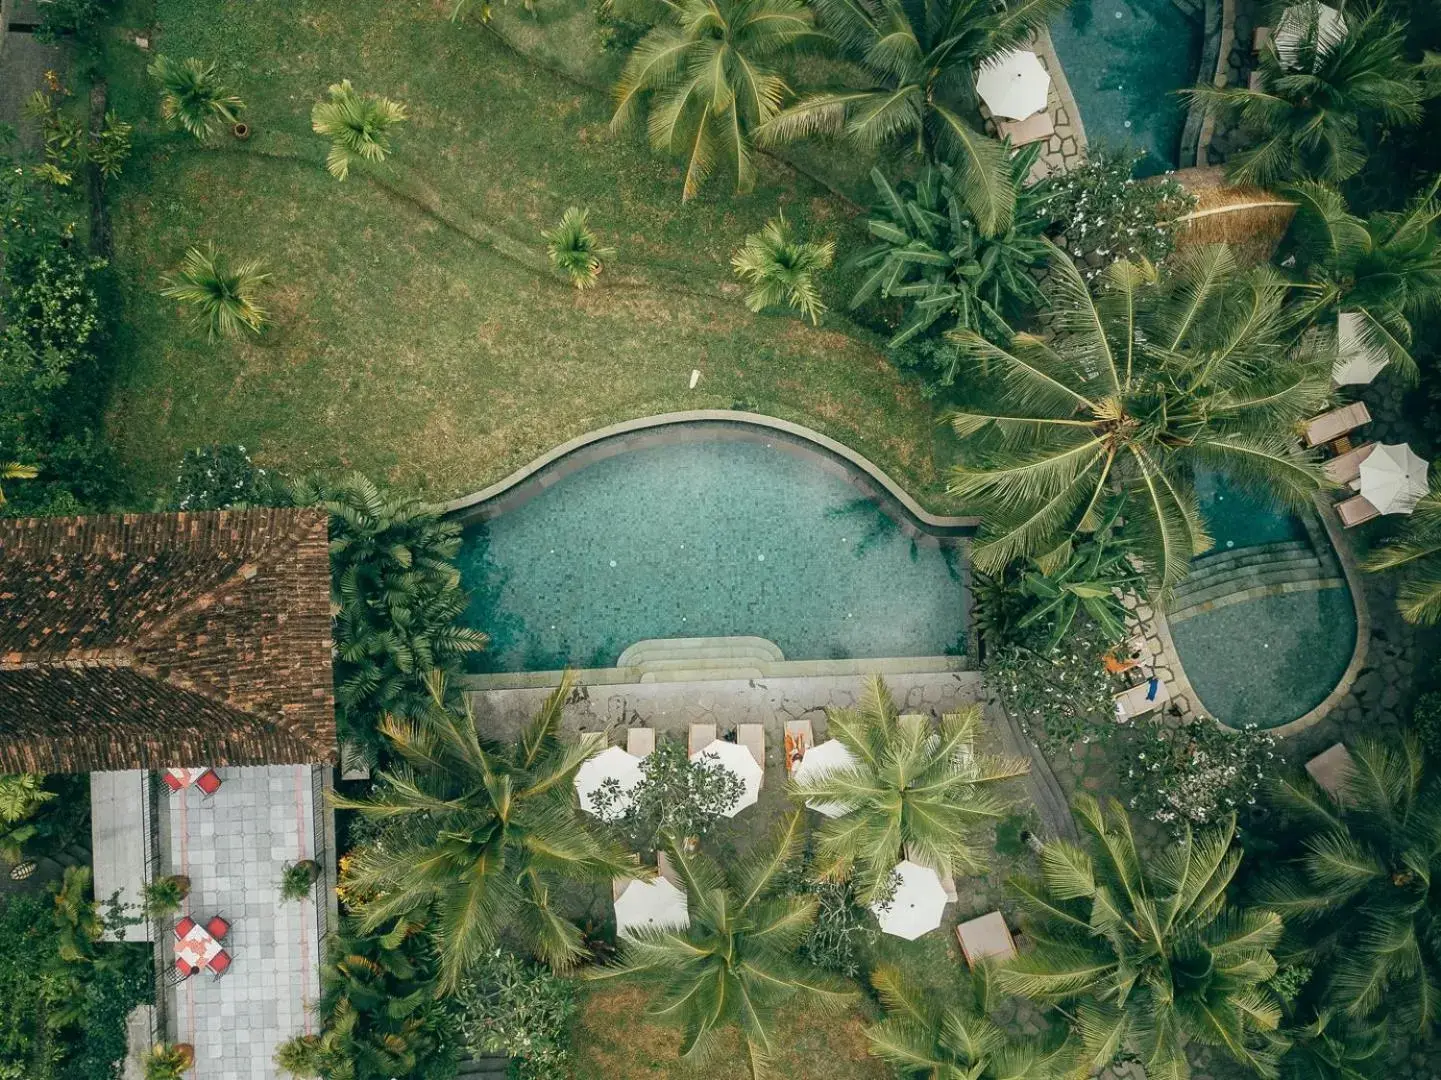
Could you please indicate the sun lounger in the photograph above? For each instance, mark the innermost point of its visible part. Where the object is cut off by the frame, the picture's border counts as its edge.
(701, 736)
(667, 869)
(1031, 129)
(1331, 768)
(799, 739)
(1140, 700)
(1356, 510)
(753, 738)
(1332, 425)
(1260, 38)
(986, 937)
(639, 741)
(1346, 468)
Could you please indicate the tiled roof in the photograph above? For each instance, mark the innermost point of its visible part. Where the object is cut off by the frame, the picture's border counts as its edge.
(152, 640)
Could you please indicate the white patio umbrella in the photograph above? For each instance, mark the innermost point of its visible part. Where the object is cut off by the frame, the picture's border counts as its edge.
(650, 905)
(1014, 84)
(1296, 24)
(737, 759)
(612, 763)
(917, 905)
(819, 760)
(1357, 361)
(1393, 478)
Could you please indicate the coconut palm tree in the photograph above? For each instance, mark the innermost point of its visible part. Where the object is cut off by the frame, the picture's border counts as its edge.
(225, 298)
(1357, 885)
(734, 966)
(358, 127)
(1417, 554)
(1387, 269)
(1311, 108)
(707, 75)
(925, 1040)
(919, 65)
(782, 270)
(14, 470)
(192, 97)
(917, 790)
(574, 248)
(484, 835)
(1135, 388)
(1146, 954)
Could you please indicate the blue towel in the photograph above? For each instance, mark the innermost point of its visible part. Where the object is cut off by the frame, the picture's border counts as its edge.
(1151, 690)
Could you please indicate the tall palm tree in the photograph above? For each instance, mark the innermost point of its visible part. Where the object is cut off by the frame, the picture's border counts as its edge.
(14, 470)
(707, 74)
(226, 299)
(917, 790)
(1360, 885)
(1386, 269)
(925, 1040)
(1417, 554)
(1145, 953)
(734, 966)
(1155, 376)
(193, 98)
(358, 127)
(1313, 105)
(782, 270)
(919, 64)
(484, 836)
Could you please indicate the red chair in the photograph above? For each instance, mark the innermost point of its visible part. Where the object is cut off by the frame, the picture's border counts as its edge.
(184, 926)
(220, 962)
(208, 782)
(183, 969)
(171, 780)
(217, 928)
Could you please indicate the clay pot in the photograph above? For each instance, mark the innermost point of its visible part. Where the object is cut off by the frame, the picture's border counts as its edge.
(187, 1051)
(241, 131)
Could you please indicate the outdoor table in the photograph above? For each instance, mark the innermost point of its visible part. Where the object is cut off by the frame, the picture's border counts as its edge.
(196, 949)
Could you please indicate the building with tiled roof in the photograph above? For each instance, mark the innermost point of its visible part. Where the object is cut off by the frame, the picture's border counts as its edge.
(141, 641)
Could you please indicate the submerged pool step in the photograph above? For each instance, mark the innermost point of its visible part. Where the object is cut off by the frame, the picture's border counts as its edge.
(688, 659)
(1255, 592)
(1248, 577)
(1233, 577)
(1214, 570)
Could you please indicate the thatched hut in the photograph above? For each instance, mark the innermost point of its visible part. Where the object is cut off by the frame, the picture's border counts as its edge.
(1249, 219)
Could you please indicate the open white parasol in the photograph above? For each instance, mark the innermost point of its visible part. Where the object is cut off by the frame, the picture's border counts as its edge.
(1014, 84)
(612, 763)
(1296, 25)
(1393, 478)
(819, 760)
(917, 905)
(1357, 360)
(736, 759)
(650, 905)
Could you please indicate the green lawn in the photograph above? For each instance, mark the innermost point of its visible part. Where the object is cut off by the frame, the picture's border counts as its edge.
(417, 333)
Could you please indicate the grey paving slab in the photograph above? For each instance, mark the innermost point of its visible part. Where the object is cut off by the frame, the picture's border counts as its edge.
(117, 841)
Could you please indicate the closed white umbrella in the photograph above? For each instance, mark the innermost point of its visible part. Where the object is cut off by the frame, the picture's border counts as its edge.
(1298, 22)
(650, 905)
(1014, 84)
(1357, 360)
(823, 758)
(1393, 478)
(916, 907)
(736, 759)
(612, 763)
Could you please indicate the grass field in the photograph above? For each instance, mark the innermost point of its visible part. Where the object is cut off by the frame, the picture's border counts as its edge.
(417, 333)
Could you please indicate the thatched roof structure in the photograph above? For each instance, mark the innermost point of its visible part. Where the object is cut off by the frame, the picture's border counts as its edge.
(1250, 220)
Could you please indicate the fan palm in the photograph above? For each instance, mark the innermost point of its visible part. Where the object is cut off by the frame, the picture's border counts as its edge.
(1147, 953)
(1334, 1047)
(1310, 109)
(14, 470)
(574, 248)
(1138, 386)
(1360, 885)
(1386, 270)
(926, 1041)
(358, 127)
(1417, 553)
(782, 270)
(919, 62)
(193, 98)
(706, 72)
(225, 298)
(484, 836)
(916, 791)
(734, 966)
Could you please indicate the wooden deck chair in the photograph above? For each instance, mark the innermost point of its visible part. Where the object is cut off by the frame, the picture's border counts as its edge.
(1331, 768)
(640, 741)
(701, 736)
(1346, 469)
(1140, 700)
(1356, 510)
(1031, 129)
(799, 739)
(753, 738)
(1330, 426)
(986, 936)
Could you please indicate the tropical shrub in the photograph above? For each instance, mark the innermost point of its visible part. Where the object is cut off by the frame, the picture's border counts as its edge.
(192, 97)
(1416, 554)
(297, 881)
(1060, 694)
(707, 75)
(575, 250)
(844, 932)
(226, 299)
(165, 895)
(676, 797)
(1144, 952)
(69, 143)
(1134, 388)
(217, 477)
(358, 127)
(1426, 723)
(168, 1061)
(109, 148)
(507, 1005)
(615, 33)
(80, 22)
(933, 253)
(20, 797)
(782, 270)
(1099, 212)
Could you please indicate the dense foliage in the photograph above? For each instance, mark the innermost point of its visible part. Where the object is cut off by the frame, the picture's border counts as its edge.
(217, 478)
(677, 796)
(524, 1010)
(1060, 694)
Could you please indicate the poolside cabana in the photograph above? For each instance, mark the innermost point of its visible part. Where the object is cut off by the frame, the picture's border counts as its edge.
(1250, 220)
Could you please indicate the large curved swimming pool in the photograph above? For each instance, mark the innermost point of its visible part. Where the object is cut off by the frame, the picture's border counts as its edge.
(723, 534)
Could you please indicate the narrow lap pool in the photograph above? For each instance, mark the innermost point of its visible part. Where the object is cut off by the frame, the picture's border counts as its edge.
(724, 533)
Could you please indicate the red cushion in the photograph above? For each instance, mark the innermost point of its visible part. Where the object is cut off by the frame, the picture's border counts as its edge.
(208, 782)
(217, 927)
(184, 926)
(184, 968)
(171, 781)
(220, 961)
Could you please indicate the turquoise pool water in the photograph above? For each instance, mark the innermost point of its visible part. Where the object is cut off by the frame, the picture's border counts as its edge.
(1237, 518)
(706, 538)
(1124, 59)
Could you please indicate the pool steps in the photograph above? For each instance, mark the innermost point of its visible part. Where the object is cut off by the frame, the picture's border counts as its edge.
(1232, 577)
